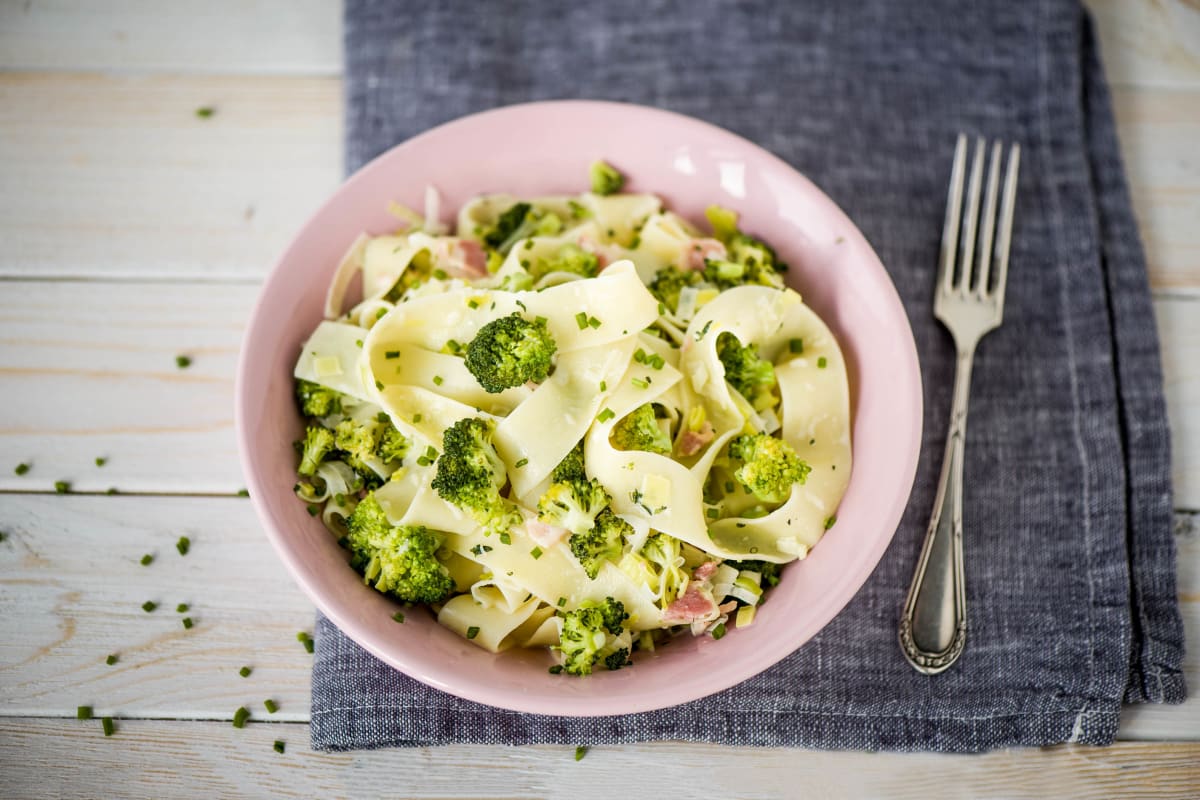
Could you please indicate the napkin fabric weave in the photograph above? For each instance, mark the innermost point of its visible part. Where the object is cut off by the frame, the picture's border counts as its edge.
(1070, 558)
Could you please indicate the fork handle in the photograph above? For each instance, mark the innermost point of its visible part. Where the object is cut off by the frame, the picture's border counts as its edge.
(933, 630)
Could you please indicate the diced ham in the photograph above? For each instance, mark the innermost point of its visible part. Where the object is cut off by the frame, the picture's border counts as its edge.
(705, 571)
(699, 250)
(693, 442)
(727, 608)
(689, 607)
(474, 260)
(545, 534)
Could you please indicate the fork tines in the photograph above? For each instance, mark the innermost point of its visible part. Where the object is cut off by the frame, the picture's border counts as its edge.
(991, 271)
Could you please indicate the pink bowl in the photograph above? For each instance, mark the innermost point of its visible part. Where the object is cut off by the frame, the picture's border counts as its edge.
(544, 148)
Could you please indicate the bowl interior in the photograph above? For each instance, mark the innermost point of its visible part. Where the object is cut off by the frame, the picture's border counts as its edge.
(545, 148)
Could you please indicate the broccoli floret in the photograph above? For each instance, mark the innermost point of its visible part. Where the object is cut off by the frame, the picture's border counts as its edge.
(604, 542)
(668, 281)
(318, 443)
(573, 504)
(752, 376)
(769, 466)
(317, 400)
(397, 560)
(639, 430)
(617, 658)
(392, 445)
(510, 351)
(369, 441)
(571, 467)
(470, 474)
(605, 178)
(588, 633)
(769, 571)
(569, 258)
(504, 233)
(750, 262)
(724, 222)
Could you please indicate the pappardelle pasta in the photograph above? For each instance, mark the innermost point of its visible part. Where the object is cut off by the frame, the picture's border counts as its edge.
(576, 423)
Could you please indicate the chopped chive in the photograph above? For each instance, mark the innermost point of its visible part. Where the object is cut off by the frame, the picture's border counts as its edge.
(308, 645)
(796, 345)
(181, 608)
(204, 112)
(381, 417)
(271, 706)
(730, 487)
(240, 716)
(146, 559)
(183, 362)
(101, 461)
(605, 415)
(305, 639)
(713, 513)
(3, 536)
(113, 490)
(662, 308)
(440, 274)
(604, 386)
(505, 538)
(358, 343)
(640, 356)
(472, 631)
(21, 469)
(313, 510)
(580, 752)
(398, 616)
(521, 463)
(107, 725)
(522, 305)
(704, 330)
(536, 553)
(391, 354)
(831, 521)
(379, 385)
(656, 361)
(641, 384)
(279, 746)
(240, 492)
(540, 320)
(245, 672)
(821, 362)
(473, 303)
(149, 606)
(437, 380)
(83, 712)
(595, 323)
(581, 319)
(183, 545)
(381, 313)
(562, 601)
(555, 670)
(718, 631)
(480, 549)
(62, 487)
(416, 419)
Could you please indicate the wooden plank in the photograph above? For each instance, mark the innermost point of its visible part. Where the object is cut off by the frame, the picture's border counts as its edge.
(1159, 131)
(293, 37)
(71, 589)
(1149, 42)
(1179, 334)
(147, 760)
(89, 371)
(117, 176)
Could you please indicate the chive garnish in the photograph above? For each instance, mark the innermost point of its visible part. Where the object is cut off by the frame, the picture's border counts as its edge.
(821, 362)
(21, 469)
(536, 553)
(505, 538)
(62, 487)
(473, 303)
(555, 670)
(149, 606)
(358, 343)
(472, 631)
(391, 354)
(604, 386)
(113, 490)
(107, 725)
(313, 510)
(831, 521)
(606, 415)
(398, 616)
(580, 752)
(204, 112)
(83, 712)
(240, 492)
(796, 345)
(240, 716)
(146, 559)
(416, 419)
(595, 323)
(437, 380)
(271, 706)
(539, 320)
(718, 631)
(641, 384)
(187, 623)
(521, 463)
(183, 362)
(112, 659)
(279, 746)
(581, 319)
(245, 672)
(562, 601)
(101, 461)
(303, 638)
(182, 545)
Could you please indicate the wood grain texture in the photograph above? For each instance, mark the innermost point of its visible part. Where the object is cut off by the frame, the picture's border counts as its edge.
(248, 37)
(1148, 43)
(117, 176)
(71, 589)
(1179, 334)
(154, 759)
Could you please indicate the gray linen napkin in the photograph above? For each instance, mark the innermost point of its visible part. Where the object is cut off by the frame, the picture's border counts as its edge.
(1070, 558)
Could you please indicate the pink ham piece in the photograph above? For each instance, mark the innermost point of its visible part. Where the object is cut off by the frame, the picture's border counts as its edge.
(727, 608)
(474, 261)
(705, 571)
(545, 534)
(699, 250)
(691, 606)
(693, 442)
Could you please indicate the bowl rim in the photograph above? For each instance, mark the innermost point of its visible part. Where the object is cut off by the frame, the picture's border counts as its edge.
(341, 616)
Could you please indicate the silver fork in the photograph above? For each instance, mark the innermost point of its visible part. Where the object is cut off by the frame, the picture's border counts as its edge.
(969, 301)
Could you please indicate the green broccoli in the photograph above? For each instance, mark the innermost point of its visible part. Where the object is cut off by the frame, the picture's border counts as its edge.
(506, 231)
(639, 430)
(363, 442)
(510, 351)
(588, 635)
(605, 178)
(317, 400)
(573, 504)
(571, 467)
(569, 258)
(668, 281)
(752, 376)
(768, 466)
(750, 261)
(318, 444)
(605, 541)
(470, 474)
(397, 560)
(724, 222)
(658, 566)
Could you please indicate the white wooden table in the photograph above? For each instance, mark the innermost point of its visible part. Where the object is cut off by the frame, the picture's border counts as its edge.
(132, 230)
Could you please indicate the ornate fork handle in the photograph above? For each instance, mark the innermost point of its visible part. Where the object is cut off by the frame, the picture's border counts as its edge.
(933, 629)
